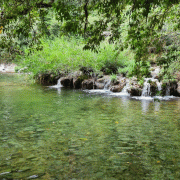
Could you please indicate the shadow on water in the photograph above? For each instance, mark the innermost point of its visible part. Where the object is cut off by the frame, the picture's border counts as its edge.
(49, 133)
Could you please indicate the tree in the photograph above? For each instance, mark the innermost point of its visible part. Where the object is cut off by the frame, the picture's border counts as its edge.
(146, 19)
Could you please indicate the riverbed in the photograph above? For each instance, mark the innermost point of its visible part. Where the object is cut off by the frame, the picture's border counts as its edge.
(59, 133)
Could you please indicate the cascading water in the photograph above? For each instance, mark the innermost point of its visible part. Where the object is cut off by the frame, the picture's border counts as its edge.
(107, 85)
(58, 85)
(125, 89)
(168, 90)
(147, 86)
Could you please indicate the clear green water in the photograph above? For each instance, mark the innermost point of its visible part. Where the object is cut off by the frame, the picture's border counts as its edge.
(67, 134)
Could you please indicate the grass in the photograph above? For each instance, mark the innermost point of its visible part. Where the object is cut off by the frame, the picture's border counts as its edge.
(67, 55)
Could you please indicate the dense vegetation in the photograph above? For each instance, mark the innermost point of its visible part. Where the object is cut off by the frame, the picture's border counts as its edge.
(149, 29)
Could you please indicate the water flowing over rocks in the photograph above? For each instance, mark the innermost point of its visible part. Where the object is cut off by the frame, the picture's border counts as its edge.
(118, 85)
(134, 88)
(86, 80)
(67, 81)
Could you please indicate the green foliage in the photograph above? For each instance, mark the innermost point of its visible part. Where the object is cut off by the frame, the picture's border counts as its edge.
(66, 54)
(141, 82)
(113, 78)
(138, 25)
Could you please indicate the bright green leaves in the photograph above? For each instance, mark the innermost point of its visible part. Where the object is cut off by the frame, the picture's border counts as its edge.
(136, 24)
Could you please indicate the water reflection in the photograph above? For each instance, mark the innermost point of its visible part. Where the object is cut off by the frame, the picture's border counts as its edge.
(157, 106)
(145, 105)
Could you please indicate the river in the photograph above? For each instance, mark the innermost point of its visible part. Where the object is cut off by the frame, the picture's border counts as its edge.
(49, 133)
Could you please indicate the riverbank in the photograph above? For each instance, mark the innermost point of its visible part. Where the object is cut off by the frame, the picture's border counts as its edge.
(84, 69)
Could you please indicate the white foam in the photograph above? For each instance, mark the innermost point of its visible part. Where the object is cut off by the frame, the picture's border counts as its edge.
(101, 91)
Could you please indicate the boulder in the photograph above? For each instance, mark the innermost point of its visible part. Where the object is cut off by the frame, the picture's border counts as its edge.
(173, 88)
(178, 88)
(88, 84)
(153, 88)
(116, 88)
(118, 85)
(135, 91)
(102, 82)
(67, 81)
(104, 79)
(77, 81)
(99, 85)
(47, 79)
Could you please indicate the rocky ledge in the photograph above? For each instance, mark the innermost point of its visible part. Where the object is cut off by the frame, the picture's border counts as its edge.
(83, 80)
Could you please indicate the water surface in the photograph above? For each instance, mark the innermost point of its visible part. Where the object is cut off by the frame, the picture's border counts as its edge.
(49, 133)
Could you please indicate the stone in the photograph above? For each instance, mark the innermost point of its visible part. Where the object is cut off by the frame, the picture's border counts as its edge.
(67, 81)
(47, 79)
(104, 79)
(178, 88)
(77, 81)
(116, 88)
(99, 85)
(135, 91)
(153, 88)
(88, 84)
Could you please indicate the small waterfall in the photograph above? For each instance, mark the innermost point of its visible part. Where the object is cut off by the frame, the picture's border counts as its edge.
(107, 85)
(124, 90)
(147, 87)
(168, 90)
(58, 85)
(159, 85)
